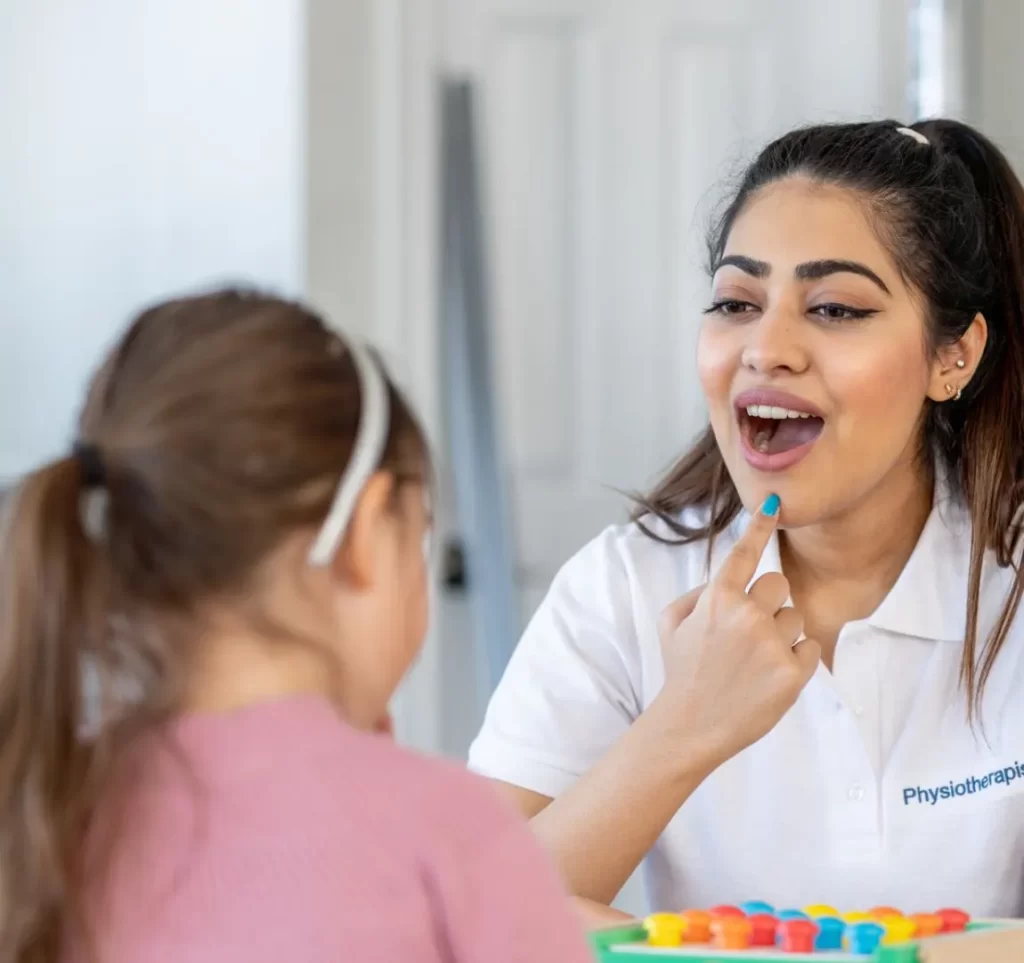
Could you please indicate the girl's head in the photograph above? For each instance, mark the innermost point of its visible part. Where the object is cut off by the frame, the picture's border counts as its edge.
(870, 277)
(243, 517)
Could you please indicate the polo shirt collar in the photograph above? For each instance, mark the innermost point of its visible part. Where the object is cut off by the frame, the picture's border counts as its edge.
(929, 599)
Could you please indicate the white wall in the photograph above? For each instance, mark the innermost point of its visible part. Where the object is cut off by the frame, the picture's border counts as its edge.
(340, 155)
(153, 146)
(145, 146)
(994, 72)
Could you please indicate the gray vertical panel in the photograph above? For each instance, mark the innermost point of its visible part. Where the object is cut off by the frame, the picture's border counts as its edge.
(472, 429)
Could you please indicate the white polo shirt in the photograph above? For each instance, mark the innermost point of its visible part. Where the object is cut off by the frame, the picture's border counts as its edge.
(872, 790)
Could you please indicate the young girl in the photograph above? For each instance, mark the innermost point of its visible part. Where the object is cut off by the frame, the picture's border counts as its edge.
(232, 559)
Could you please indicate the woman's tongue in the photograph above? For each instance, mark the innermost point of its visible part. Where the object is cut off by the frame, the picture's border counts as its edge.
(772, 436)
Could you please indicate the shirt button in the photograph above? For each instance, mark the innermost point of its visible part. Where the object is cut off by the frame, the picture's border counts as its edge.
(855, 793)
(858, 710)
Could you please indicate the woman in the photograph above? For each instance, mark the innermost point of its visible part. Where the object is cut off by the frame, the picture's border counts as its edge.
(833, 711)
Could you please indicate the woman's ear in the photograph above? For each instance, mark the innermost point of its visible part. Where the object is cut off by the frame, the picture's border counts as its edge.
(955, 364)
(358, 560)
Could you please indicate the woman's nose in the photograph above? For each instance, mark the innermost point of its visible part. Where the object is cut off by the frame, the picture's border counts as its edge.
(775, 344)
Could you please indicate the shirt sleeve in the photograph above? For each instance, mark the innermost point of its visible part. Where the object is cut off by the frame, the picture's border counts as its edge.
(503, 903)
(570, 689)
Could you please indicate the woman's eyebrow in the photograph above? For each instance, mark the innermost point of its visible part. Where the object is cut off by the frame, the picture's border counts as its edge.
(808, 271)
(748, 265)
(816, 270)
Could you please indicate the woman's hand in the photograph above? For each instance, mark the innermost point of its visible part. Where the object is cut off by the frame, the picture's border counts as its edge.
(731, 672)
(732, 665)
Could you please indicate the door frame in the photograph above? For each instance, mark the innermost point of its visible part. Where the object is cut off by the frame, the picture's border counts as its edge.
(372, 228)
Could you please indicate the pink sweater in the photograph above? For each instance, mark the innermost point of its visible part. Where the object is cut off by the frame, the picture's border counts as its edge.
(278, 834)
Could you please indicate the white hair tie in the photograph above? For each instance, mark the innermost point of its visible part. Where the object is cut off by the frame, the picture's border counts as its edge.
(915, 134)
(371, 438)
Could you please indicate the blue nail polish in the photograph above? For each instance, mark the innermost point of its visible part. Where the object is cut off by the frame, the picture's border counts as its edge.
(771, 505)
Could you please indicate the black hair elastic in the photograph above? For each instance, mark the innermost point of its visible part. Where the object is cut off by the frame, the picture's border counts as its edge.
(90, 462)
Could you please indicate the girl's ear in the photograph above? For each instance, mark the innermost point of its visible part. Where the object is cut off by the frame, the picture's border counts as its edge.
(358, 561)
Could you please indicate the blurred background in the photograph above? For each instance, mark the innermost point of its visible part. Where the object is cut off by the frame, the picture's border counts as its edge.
(507, 196)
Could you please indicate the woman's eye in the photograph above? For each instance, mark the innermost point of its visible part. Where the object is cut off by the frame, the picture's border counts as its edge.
(840, 312)
(729, 306)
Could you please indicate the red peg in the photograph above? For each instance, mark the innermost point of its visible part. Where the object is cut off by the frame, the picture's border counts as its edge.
(726, 911)
(953, 920)
(797, 936)
(763, 929)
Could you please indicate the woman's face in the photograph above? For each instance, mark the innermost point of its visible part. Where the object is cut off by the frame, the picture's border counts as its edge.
(814, 358)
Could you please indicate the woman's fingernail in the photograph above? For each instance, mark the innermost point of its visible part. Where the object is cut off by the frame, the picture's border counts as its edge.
(771, 505)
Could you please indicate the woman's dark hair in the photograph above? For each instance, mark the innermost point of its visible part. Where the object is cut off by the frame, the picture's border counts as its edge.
(221, 423)
(951, 214)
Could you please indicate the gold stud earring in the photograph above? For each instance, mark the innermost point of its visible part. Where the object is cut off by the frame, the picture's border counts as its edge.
(950, 389)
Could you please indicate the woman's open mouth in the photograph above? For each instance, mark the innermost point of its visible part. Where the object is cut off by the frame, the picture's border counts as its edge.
(777, 431)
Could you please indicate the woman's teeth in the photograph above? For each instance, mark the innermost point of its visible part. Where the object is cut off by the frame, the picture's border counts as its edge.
(770, 411)
(772, 429)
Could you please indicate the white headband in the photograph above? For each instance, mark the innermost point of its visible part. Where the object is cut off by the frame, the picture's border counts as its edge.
(371, 436)
(915, 134)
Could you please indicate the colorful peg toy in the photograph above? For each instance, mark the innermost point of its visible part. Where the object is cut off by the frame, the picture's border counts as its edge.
(928, 924)
(953, 920)
(792, 914)
(863, 938)
(727, 911)
(881, 912)
(698, 926)
(763, 929)
(664, 929)
(898, 929)
(797, 935)
(830, 933)
(755, 932)
(731, 932)
(820, 909)
(855, 916)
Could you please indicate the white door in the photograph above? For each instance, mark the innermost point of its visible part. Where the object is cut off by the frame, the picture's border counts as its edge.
(609, 128)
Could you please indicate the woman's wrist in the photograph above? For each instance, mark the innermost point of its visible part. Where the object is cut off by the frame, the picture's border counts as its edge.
(690, 752)
(600, 829)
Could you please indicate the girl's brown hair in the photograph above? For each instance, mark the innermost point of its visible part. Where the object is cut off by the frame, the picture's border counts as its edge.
(951, 213)
(220, 424)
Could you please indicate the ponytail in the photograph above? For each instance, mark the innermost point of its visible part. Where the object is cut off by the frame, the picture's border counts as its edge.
(203, 476)
(51, 579)
(991, 429)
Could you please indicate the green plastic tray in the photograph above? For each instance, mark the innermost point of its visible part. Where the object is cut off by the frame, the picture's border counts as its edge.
(617, 946)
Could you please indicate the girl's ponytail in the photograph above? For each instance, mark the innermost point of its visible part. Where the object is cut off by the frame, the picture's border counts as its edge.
(224, 423)
(51, 601)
